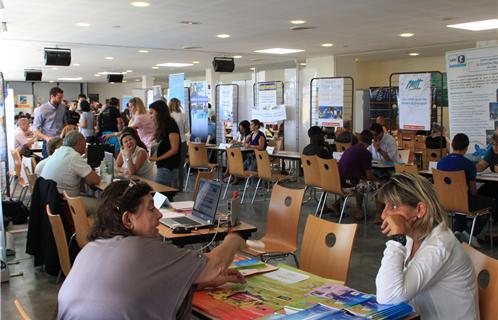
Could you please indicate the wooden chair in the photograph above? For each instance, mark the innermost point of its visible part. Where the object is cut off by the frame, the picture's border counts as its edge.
(198, 159)
(236, 169)
(282, 227)
(208, 175)
(18, 179)
(311, 173)
(21, 311)
(488, 295)
(419, 143)
(404, 156)
(451, 188)
(433, 155)
(409, 168)
(342, 146)
(331, 183)
(264, 171)
(60, 241)
(326, 248)
(80, 219)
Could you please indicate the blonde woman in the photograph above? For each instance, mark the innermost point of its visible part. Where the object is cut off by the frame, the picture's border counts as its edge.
(142, 121)
(423, 264)
(176, 112)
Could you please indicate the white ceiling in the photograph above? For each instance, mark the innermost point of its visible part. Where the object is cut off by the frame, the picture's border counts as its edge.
(356, 27)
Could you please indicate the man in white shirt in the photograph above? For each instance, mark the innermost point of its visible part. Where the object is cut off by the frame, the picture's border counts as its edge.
(67, 167)
(384, 147)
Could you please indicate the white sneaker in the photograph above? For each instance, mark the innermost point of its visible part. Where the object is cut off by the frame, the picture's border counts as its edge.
(474, 243)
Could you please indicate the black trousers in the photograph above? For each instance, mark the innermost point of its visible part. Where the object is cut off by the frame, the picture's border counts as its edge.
(475, 203)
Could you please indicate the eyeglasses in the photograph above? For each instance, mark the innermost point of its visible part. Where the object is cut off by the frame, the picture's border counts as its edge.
(131, 183)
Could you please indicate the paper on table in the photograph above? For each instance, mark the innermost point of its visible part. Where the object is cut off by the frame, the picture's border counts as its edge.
(286, 276)
(182, 205)
(167, 213)
(159, 199)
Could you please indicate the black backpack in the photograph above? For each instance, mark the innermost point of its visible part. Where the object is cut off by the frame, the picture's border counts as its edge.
(15, 211)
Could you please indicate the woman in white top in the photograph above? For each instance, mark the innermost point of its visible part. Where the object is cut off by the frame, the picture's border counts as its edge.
(176, 112)
(133, 158)
(423, 264)
(87, 121)
(142, 121)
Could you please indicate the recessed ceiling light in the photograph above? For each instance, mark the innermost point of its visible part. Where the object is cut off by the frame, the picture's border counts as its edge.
(137, 80)
(327, 44)
(140, 4)
(55, 69)
(70, 79)
(129, 71)
(109, 58)
(124, 81)
(223, 35)
(279, 51)
(298, 21)
(82, 24)
(190, 23)
(76, 64)
(51, 81)
(237, 57)
(112, 82)
(252, 68)
(196, 62)
(97, 75)
(174, 64)
(414, 54)
(303, 64)
(406, 35)
(476, 25)
(143, 51)
(155, 67)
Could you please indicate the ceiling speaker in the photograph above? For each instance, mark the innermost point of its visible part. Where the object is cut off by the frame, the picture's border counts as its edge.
(32, 75)
(222, 64)
(57, 57)
(115, 77)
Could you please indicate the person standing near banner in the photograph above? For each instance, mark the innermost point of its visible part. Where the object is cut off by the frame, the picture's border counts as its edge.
(176, 112)
(49, 118)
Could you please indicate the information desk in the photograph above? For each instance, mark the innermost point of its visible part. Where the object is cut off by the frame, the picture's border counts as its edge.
(481, 177)
(156, 187)
(205, 235)
(274, 293)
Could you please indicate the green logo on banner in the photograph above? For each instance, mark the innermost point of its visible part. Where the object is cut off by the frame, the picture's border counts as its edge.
(414, 84)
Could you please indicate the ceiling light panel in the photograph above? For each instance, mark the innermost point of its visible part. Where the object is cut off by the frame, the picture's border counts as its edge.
(174, 64)
(279, 51)
(476, 25)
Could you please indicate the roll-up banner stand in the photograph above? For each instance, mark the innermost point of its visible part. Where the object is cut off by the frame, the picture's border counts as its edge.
(4, 160)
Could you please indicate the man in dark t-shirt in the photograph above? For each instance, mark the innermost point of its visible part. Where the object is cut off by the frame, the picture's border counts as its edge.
(108, 118)
(318, 146)
(356, 165)
(346, 136)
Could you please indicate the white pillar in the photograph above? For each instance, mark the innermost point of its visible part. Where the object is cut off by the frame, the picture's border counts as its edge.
(147, 82)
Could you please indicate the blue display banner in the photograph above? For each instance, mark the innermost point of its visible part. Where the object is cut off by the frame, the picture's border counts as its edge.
(176, 89)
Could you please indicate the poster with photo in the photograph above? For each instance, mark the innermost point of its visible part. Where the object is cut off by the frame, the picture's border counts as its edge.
(199, 111)
(472, 94)
(330, 102)
(267, 109)
(414, 101)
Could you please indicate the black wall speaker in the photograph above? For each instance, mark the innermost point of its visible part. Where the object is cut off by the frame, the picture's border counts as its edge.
(222, 64)
(115, 77)
(32, 75)
(57, 57)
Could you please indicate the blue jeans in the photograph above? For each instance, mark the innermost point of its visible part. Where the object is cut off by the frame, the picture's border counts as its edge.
(44, 149)
(168, 177)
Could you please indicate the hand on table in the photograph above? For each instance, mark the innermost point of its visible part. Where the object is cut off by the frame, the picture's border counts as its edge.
(395, 224)
(233, 276)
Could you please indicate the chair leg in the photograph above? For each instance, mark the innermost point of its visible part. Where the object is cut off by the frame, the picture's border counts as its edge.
(245, 188)
(490, 223)
(58, 277)
(226, 189)
(318, 205)
(472, 229)
(343, 207)
(323, 203)
(186, 181)
(295, 259)
(256, 191)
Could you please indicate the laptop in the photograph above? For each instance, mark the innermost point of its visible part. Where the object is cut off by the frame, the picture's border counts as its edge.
(95, 153)
(204, 210)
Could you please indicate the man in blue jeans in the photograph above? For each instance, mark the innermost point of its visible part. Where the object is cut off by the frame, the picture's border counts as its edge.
(456, 161)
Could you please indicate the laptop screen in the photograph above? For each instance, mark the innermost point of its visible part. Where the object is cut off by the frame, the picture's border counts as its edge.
(206, 202)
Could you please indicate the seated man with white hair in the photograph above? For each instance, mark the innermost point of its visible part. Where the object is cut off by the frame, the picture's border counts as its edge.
(68, 168)
(24, 138)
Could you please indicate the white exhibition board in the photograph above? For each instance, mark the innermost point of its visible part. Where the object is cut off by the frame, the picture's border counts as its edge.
(267, 109)
(330, 102)
(414, 101)
(472, 94)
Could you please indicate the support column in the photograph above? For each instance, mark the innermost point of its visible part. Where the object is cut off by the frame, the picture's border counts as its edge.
(147, 82)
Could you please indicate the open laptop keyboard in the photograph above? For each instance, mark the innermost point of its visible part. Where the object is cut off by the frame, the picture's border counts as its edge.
(185, 221)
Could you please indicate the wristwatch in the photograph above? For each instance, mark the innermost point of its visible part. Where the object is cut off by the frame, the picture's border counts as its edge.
(401, 238)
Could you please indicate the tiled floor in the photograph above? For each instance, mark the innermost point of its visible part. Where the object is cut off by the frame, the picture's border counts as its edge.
(38, 292)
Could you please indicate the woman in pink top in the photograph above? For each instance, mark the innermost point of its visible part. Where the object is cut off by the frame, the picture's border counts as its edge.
(142, 121)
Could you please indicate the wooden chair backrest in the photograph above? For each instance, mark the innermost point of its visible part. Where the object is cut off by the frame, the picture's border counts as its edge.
(330, 176)
(409, 168)
(283, 215)
(433, 155)
(326, 248)
(235, 162)
(17, 161)
(263, 162)
(31, 178)
(404, 156)
(60, 241)
(197, 155)
(279, 144)
(420, 143)
(342, 146)
(488, 294)
(451, 188)
(208, 175)
(410, 145)
(311, 170)
(21, 311)
(80, 219)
